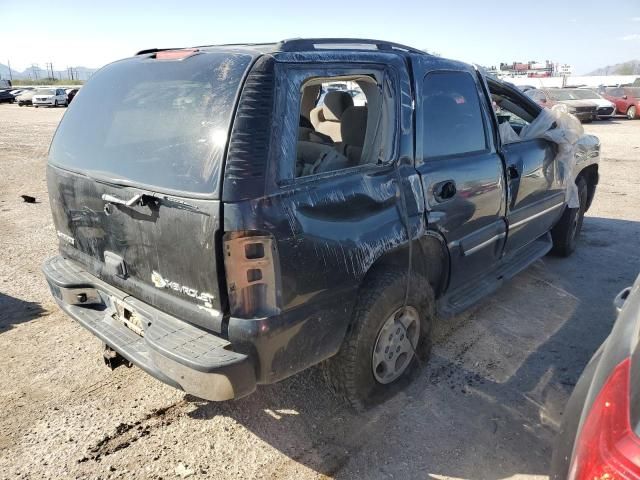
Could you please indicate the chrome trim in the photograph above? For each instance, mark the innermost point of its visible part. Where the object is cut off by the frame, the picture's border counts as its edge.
(533, 217)
(484, 244)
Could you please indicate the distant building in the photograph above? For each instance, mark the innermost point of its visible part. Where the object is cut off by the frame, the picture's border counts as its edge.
(530, 69)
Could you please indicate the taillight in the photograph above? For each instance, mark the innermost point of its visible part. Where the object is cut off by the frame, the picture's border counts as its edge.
(179, 54)
(251, 267)
(607, 447)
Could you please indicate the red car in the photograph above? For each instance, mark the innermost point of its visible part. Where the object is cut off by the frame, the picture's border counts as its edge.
(626, 100)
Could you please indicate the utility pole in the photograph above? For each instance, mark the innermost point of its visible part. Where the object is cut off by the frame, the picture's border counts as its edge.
(10, 74)
(34, 69)
(50, 69)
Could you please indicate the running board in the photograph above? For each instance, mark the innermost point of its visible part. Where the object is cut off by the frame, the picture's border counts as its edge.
(463, 297)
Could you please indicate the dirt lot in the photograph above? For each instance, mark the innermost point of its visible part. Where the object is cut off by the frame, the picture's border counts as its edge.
(487, 406)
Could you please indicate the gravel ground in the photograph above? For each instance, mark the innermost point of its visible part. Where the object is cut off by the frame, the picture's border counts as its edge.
(487, 406)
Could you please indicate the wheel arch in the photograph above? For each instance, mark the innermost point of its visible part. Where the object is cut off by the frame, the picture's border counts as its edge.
(430, 258)
(591, 176)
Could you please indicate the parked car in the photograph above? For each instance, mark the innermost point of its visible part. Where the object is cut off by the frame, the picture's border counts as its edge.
(600, 432)
(525, 88)
(626, 100)
(6, 96)
(585, 110)
(49, 97)
(26, 98)
(207, 237)
(71, 93)
(605, 110)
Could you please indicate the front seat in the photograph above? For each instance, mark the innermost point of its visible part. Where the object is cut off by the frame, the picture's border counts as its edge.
(327, 117)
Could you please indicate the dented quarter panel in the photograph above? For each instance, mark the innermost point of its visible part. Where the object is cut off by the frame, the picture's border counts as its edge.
(329, 228)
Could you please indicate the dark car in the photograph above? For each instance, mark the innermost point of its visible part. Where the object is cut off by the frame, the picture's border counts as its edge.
(6, 96)
(626, 100)
(585, 110)
(71, 93)
(220, 228)
(600, 433)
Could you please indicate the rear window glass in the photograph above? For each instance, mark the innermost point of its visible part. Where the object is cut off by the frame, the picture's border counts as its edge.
(161, 124)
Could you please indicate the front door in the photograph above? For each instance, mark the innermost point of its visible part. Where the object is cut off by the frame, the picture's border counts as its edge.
(535, 194)
(461, 172)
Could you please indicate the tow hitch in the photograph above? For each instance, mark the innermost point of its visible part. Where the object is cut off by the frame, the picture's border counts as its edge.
(113, 359)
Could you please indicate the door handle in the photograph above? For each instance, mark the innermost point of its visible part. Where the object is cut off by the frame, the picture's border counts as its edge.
(444, 190)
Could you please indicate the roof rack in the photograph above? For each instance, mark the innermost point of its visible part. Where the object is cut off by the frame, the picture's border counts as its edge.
(304, 44)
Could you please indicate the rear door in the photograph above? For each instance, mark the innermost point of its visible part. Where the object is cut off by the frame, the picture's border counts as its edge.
(133, 178)
(461, 172)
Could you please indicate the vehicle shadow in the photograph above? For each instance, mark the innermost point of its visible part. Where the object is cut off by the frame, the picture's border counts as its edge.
(489, 402)
(611, 121)
(14, 311)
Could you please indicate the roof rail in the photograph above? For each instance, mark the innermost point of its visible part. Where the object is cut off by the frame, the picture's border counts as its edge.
(303, 44)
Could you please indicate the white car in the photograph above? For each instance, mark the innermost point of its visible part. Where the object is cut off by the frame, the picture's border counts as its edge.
(51, 97)
(605, 110)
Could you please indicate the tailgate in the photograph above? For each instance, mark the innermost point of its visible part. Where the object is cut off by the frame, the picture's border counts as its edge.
(162, 252)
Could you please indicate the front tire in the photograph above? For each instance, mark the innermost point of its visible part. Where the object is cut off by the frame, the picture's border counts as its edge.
(631, 112)
(378, 355)
(565, 233)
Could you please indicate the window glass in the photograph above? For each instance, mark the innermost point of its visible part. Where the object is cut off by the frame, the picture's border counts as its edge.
(158, 123)
(453, 123)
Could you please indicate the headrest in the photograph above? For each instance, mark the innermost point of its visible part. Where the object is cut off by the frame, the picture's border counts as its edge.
(353, 126)
(335, 103)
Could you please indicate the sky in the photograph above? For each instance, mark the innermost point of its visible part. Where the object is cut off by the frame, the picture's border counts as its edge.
(586, 34)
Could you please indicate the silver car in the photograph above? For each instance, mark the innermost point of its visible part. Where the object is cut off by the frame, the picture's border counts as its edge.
(49, 97)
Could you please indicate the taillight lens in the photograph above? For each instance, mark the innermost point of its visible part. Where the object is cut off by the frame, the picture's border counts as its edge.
(250, 262)
(179, 54)
(607, 447)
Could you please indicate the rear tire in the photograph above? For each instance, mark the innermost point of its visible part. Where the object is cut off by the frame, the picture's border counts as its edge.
(379, 315)
(565, 233)
(631, 113)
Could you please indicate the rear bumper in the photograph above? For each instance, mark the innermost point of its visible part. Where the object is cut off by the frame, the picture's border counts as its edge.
(173, 351)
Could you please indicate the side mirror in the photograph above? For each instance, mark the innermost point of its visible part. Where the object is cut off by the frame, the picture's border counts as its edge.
(618, 302)
(624, 97)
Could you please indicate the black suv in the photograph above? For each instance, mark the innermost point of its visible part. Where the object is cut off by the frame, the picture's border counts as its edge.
(231, 215)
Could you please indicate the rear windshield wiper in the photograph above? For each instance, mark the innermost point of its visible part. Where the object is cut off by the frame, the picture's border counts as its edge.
(118, 201)
(141, 199)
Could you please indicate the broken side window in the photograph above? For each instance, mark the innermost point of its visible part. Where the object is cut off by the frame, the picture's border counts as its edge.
(345, 121)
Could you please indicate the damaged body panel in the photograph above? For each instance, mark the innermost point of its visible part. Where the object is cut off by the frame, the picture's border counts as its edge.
(287, 186)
